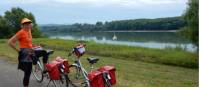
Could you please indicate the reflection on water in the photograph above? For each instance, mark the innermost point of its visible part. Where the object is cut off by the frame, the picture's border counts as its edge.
(150, 44)
(143, 39)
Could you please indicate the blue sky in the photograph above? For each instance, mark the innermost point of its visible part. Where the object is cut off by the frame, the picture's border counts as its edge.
(91, 11)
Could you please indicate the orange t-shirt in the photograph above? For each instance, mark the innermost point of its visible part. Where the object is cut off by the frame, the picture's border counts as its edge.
(25, 38)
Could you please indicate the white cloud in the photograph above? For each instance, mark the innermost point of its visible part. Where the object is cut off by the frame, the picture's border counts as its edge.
(122, 1)
(46, 11)
(163, 1)
(98, 2)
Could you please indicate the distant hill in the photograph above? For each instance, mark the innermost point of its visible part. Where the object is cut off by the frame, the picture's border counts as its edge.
(168, 23)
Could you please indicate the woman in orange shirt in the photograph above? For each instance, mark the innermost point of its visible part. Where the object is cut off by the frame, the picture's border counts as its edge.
(24, 37)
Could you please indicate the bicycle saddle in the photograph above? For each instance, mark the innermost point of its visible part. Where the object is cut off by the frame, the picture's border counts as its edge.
(92, 60)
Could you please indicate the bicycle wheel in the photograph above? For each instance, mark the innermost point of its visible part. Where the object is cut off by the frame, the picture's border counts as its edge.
(38, 72)
(75, 77)
(106, 77)
(62, 82)
(107, 84)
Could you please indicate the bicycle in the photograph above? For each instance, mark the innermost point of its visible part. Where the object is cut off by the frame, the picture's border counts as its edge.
(39, 73)
(39, 68)
(78, 76)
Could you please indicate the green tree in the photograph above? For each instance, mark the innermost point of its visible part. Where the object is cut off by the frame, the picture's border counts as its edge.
(5, 30)
(14, 17)
(191, 31)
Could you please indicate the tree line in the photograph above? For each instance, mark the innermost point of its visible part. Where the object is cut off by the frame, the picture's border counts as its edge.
(169, 23)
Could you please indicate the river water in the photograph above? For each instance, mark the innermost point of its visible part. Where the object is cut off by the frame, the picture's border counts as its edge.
(158, 40)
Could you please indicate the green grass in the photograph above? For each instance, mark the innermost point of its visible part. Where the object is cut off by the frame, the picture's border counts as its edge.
(134, 68)
(166, 56)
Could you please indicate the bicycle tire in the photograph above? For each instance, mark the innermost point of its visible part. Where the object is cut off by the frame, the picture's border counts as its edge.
(108, 84)
(38, 72)
(62, 82)
(75, 77)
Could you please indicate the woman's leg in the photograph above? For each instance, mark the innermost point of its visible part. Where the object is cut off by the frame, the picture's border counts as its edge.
(26, 78)
(27, 73)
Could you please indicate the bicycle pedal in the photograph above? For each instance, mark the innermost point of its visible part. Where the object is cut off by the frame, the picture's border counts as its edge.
(45, 75)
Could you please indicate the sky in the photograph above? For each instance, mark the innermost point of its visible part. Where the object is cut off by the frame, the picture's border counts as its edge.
(91, 11)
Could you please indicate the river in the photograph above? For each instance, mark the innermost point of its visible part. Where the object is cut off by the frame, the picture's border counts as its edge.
(155, 39)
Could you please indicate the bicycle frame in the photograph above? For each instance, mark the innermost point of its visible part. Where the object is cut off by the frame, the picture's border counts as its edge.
(40, 64)
(83, 71)
(85, 74)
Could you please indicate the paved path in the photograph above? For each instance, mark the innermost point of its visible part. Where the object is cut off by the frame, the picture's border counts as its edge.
(10, 76)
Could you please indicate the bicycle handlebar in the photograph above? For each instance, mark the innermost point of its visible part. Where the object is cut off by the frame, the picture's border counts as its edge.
(78, 50)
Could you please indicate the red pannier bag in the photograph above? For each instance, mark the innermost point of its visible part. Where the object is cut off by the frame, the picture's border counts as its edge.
(53, 70)
(96, 79)
(64, 62)
(111, 70)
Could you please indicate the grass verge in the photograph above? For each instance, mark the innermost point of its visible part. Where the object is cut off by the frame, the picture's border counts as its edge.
(145, 72)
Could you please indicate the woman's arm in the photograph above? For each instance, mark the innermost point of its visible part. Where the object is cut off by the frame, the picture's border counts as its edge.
(12, 43)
